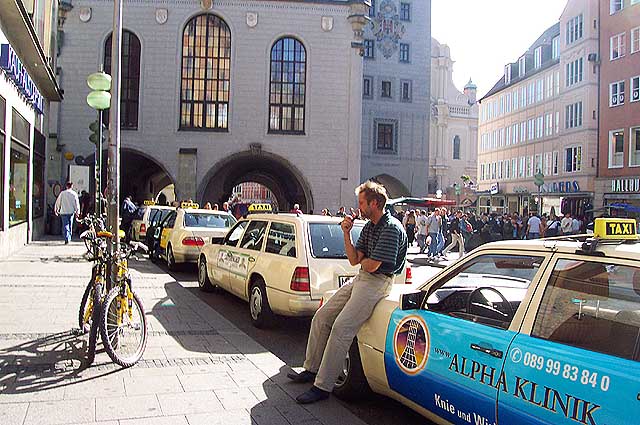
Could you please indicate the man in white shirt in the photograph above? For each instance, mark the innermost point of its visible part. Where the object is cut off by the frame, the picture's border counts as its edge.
(67, 205)
(566, 224)
(533, 227)
(422, 233)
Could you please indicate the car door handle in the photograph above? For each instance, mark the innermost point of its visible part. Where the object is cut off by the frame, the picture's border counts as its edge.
(251, 259)
(490, 351)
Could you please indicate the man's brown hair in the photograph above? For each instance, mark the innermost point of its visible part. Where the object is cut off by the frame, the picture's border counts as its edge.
(373, 191)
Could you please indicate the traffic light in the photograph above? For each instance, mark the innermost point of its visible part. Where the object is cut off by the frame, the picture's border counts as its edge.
(538, 179)
(457, 188)
(97, 137)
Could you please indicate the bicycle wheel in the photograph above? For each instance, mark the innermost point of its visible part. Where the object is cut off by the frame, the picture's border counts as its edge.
(95, 321)
(84, 313)
(123, 328)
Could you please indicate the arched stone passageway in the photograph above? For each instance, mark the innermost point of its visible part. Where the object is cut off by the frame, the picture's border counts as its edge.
(141, 176)
(285, 181)
(395, 188)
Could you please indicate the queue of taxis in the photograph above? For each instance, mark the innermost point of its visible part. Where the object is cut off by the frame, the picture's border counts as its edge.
(282, 264)
(147, 216)
(517, 332)
(180, 237)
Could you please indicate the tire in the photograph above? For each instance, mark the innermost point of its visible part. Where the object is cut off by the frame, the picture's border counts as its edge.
(112, 335)
(352, 384)
(203, 278)
(259, 309)
(171, 261)
(84, 303)
(95, 323)
(152, 252)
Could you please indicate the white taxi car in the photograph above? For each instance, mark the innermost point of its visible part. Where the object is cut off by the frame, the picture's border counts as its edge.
(185, 231)
(517, 332)
(281, 263)
(145, 216)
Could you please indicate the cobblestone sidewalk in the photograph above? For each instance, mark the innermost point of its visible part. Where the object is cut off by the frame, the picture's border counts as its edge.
(198, 368)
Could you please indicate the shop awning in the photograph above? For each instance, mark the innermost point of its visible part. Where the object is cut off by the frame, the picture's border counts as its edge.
(421, 202)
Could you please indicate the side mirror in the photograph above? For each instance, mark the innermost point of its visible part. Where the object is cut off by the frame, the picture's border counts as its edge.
(412, 300)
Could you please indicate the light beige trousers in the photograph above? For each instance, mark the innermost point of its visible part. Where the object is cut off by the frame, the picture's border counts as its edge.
(337, 322)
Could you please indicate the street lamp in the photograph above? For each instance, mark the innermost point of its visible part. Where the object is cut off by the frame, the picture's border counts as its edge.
(99, 99)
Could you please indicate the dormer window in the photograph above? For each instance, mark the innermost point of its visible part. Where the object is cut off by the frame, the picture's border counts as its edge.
(507, 74)
(522, 63)
(537, 57)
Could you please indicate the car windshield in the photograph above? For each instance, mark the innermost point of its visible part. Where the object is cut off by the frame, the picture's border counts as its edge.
(209, 221)
(327, 240)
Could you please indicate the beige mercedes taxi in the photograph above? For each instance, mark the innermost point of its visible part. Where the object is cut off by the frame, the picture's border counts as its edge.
(281, 263)
(517, 332)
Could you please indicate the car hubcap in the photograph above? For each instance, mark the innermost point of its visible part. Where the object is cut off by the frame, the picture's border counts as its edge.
(256, 302)
(202, 274)
(345, 372)
(169, 257)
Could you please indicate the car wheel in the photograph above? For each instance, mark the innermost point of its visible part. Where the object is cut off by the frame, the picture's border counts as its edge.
(203, 278)
(352, 383)
(171, 261)
(261, 314)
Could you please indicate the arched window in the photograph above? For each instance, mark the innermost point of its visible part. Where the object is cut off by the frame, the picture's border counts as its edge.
(288, 86)
(129, 80)
(456, 147)
(206, 71)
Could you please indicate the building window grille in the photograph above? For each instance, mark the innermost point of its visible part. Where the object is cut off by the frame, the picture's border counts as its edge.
(129, 80)
(386, 89)
(634, 151)
(405, 11)
(573, 159)
(456, 147)
(366, 87)
(617, 46)
(616, 94)
(616, 148)
(615, 6)
(573, 115)
(574, 29)
(287, 86)
(369, 49)
(404, 53)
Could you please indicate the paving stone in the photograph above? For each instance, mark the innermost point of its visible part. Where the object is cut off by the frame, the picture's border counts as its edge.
(208, 368)
(110, 386)
(60, 412)
(239, 398)
(267, 415)
(249, 379)
(13, 414)
(190, 402)
(162, 371)
(127, 407)
(228, 417)
(166, 420)
(207, 381)
(152, 385)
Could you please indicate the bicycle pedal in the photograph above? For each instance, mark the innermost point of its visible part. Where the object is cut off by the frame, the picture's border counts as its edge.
(77, 331)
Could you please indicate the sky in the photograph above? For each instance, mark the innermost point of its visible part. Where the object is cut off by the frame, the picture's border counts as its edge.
(485, 35)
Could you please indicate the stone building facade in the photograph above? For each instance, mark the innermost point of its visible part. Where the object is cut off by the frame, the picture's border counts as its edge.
(224, 92)
(396, 96)
(541, 117)
(453, 141)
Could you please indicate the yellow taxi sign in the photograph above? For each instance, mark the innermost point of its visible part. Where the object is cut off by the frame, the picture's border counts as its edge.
(149, 202)
(615, 228)
(193, 205)
(258, 208)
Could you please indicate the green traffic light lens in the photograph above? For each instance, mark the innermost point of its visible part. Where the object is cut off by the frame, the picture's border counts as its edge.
(99, 100)
(99, 81)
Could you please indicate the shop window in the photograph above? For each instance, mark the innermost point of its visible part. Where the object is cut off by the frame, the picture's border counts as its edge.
(634, 160)
(616, 148)
(19, 170)
(592, 305)
(3, 117)
(39, 151)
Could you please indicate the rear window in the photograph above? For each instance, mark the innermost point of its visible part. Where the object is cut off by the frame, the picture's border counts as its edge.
(209, 221)
(157, 215)
(327, 240)
(140, 213)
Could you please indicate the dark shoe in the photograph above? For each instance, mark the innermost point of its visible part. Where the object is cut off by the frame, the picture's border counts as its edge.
(303, 377)
(314, 394)
(66, 242)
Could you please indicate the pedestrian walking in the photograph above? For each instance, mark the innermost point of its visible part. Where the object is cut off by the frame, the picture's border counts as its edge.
(421, 231)
(456, 235)
(381, 253)
(411, 227)
(128, 215)
(433, 229)
(67, 206)
(533, 227)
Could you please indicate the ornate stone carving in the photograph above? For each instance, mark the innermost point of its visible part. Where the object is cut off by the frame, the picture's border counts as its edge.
(84, 13)
(162, 15)
(326, 23)
(252, 19)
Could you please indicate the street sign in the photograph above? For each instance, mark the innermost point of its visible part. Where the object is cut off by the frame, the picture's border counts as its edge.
(538, 179)
(458, 189)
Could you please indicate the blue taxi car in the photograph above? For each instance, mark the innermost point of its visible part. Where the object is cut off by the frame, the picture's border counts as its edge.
(516, 333)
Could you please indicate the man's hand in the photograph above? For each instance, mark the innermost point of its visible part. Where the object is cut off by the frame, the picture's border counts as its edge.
(347, 224)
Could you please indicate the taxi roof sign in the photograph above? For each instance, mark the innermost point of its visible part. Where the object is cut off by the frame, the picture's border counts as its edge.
(615, 228)
(258, 208)
(149, 202)
(192, 205)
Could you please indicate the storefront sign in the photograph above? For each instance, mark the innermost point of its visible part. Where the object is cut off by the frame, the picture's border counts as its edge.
(520, 189)
(625, 185)
(560, 187)
(10, 62)
(495, 188)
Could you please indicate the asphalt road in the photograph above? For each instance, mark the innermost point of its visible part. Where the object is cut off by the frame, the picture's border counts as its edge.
(287, 339)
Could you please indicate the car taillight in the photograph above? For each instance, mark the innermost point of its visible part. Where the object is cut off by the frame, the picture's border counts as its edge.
(408, 278)
(300, 279)
(143, 228)
(192, 241)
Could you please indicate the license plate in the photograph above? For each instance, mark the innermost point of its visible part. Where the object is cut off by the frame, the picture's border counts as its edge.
(342, 280)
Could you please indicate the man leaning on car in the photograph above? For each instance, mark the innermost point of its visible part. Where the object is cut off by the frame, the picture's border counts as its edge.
(381, 251)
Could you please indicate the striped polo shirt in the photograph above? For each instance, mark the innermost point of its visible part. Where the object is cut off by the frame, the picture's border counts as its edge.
(385, 241)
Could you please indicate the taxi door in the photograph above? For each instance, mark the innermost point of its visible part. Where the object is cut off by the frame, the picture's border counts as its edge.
(225, 261)
(167, 227)
(577, 360)
(448, 356)
(245, 257)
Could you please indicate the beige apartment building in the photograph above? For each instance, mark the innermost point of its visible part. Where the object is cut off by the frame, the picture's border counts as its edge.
(541, 116)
